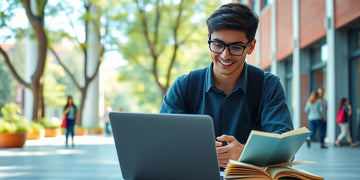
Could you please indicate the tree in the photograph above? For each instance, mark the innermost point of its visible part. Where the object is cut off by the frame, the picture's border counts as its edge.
(88, 17)
(162, 38)
(36, 84)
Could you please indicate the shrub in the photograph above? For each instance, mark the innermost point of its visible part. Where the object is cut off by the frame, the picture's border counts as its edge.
(12, 122)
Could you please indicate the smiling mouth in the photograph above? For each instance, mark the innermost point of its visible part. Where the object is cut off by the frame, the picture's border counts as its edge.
(226, 63)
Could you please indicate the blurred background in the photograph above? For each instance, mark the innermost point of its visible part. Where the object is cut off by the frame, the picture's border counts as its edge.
(128, 52)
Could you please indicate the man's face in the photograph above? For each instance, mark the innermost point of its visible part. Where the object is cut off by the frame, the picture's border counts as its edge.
(226, 64)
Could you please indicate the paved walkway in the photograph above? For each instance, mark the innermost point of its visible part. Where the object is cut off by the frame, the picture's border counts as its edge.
(94, 157)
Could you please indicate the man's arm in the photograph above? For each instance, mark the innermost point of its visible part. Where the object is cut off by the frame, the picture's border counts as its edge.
(275, 115)
(174, 99)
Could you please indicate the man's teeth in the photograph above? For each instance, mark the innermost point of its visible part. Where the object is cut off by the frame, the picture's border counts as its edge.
(225, 63)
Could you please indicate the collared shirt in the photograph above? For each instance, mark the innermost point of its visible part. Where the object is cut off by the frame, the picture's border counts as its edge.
(230, 112)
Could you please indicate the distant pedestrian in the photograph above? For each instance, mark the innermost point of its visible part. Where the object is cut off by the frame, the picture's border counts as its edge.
(107, 110)
(344, 126)
(316, 116)
(70, 111)
(323, 102)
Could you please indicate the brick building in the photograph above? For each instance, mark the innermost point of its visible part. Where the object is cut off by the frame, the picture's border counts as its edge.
(311, 44)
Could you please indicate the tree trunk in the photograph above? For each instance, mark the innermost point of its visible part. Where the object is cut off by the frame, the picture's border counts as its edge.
(82, 104)
(36, 84)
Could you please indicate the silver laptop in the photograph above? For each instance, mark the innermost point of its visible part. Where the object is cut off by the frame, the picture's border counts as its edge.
(165, 146)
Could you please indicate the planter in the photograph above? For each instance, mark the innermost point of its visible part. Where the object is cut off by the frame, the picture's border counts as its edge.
(97, 131)
(36, 134)
(81, 132)
(54, 132)
(12, 140)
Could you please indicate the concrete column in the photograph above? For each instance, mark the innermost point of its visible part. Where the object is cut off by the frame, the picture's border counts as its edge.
(30, 66)
(91, 107)
(273, 54)
(331, 72)
(296, 99)
(101, 93)
(31, 57)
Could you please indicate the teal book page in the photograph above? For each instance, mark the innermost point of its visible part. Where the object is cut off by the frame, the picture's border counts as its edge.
(264, 149)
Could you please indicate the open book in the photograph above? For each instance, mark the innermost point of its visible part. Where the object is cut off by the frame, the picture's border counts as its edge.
(240, 170)
(268, 156)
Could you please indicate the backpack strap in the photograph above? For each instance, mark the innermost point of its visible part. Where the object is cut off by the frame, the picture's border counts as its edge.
(254, 90)
(194, 91)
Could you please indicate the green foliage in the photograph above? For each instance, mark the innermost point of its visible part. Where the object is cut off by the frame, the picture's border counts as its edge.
(80, 127)
(7, 89)
(153, 55)
(48, 124)
(98, 127)
(8, 84)
(54, 92)
(35, 126)
(12, 122)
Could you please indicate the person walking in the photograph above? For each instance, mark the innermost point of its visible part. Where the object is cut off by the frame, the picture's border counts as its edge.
(344, 126)
(70, 111)
(107, 110)
(316, 116)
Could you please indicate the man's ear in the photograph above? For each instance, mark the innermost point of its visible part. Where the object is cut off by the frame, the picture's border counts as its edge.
(252, 46)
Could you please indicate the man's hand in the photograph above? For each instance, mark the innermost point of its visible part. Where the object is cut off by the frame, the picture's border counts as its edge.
(232, 150)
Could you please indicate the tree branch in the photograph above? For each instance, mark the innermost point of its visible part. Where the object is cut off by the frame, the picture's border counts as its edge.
(176, 44)
(12, 69)
(65, 68)
(100, 59)
(151, 45)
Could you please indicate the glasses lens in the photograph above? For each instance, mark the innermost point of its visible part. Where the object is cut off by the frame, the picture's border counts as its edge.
(217, 47)
(236, 50)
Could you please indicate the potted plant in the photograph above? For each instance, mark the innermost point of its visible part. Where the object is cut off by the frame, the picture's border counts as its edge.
(81, 131)
(97, 130)
(13, 127)
(51, 129)
(37, 131)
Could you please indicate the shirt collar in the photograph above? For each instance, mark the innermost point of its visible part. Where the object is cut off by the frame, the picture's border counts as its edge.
(241, 85)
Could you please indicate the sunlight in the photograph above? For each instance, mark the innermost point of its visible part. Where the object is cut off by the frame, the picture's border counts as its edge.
(113, 60)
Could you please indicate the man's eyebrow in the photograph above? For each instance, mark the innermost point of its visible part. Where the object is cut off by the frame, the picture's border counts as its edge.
(237, 42)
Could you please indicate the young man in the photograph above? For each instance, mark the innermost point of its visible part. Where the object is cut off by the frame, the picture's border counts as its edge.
(225, 89)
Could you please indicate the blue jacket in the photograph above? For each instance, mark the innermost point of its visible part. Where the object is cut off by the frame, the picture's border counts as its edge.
(230, 112)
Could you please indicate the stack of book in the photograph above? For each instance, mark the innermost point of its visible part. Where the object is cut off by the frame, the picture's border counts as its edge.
(269, 156)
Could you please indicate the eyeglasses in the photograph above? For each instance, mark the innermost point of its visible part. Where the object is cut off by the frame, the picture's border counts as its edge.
(235, 48)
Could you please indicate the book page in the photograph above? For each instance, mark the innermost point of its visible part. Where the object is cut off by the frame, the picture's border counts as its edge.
(239, 170)
(286, 172)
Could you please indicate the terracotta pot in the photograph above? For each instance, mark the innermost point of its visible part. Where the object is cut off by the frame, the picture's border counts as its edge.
(52, 132)
(97, 131)
(12, 140)
(36, 134)
(81, 132)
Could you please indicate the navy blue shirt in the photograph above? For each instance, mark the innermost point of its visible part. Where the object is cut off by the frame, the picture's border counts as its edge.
(230, 112)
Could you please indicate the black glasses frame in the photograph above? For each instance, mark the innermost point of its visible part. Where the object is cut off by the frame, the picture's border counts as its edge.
(228, 46)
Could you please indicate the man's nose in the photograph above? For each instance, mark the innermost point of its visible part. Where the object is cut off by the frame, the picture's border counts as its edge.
(226, 53)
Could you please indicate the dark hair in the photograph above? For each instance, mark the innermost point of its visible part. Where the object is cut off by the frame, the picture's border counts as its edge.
(342, 103)
(67, 102)
(234, 16)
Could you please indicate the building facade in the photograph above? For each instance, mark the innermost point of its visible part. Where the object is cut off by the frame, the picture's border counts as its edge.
(312, 44)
